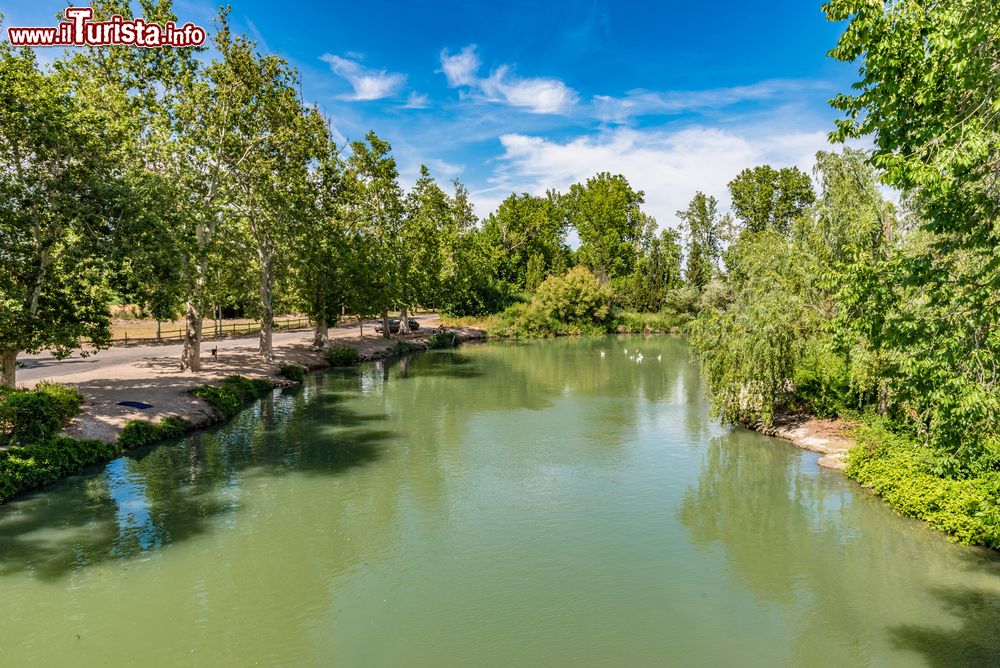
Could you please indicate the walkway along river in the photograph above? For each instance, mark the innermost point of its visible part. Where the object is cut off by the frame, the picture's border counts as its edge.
(499, 505)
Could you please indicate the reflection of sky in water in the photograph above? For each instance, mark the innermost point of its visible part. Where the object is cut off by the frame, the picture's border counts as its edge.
(135, 525)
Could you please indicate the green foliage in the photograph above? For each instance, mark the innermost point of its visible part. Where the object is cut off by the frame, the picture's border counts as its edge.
(227, 400)
(706, 231)
(442, 340)
(292, 371)
(822, 379)
(765, 198)
(927, 309)
(903, 474)
(646, 323)
(26, 467)
(139, 433)
(656, 273)
(606, 214)
(403, 348)
(29, 416)
(574, 303)
(342, 356)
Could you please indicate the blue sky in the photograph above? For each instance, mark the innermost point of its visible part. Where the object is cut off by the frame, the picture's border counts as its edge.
(526, 96)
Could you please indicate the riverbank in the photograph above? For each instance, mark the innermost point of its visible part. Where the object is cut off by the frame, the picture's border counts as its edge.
(829, 437)
(154, 378)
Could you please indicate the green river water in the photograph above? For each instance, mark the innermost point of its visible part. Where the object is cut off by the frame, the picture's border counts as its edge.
(526, 504)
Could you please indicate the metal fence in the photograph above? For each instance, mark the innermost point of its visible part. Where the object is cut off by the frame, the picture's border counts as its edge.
(216, 331)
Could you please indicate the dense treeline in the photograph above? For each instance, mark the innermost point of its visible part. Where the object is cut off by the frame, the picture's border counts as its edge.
(182, 184)
(839, 302)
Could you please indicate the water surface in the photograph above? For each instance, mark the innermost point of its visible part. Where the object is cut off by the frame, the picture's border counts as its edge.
(526, 504)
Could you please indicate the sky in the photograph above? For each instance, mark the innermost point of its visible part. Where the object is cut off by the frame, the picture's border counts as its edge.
(516, 96)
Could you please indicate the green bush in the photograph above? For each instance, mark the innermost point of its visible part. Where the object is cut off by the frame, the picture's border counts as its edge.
(822, 380)
(292, 371)
(35, 415)
(632, 322)
(903, 473)
(138, 433)
(403, 347)
(442, 340)
(26, 467)
(574, 303)
(235, 391)
(336, 356)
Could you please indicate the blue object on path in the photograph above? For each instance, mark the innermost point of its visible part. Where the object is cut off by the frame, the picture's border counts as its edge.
(135, 404)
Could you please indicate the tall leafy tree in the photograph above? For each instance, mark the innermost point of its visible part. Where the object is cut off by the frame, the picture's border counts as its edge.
(927, 96)
(524, 226)
(60, 194)
(765, 198)
(705, 230)
(606, 213)
(376, 213)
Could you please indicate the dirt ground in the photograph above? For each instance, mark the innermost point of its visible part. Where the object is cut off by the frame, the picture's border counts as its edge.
(827, 437)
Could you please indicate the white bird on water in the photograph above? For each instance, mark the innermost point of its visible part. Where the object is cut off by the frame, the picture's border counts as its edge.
(659, 358)
(638, 358)
(626, 351)
(602, 354)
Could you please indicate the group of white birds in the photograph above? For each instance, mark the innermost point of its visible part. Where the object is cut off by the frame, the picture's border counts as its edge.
(637, 358)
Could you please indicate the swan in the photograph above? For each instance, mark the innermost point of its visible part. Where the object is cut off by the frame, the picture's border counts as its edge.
(602, 354)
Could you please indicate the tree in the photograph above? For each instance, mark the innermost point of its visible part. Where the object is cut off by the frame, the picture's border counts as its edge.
(522, 227)
(265, 156)
(656, 273)
(765, 198)
(927, 97)
(606, 214)
(376, 213)
(59, 192)
(705, 231)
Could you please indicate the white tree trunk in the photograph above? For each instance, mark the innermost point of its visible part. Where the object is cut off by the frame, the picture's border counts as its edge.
(404, 320)
(266, 306)
(8, 367)
(191, 355)
(321, 333)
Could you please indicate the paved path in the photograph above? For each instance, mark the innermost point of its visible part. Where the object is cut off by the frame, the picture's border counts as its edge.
(45, 367)
(151, 374)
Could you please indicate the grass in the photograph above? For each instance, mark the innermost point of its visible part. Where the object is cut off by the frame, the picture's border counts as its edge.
(139, 433)
(337, 356)
(292, 371)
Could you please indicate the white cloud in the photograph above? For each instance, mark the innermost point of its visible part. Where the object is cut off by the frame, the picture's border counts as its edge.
(540, 95)
(462, 68)
(416, 101)
(670, 166)
(644, 103)
(368, 84)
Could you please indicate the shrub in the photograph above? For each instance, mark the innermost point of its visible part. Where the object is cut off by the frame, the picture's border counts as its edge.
(822, 380)
(26, 467)
(574, 303)
(292, 371)
(37, 415)
(904, 475)
(69, 400)
(442, 340)
(403, 347)
(235, 391)
(632, 322)
(138, 433)
(341, 356)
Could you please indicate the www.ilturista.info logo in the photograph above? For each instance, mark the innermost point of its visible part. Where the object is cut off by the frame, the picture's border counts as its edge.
(79, 30)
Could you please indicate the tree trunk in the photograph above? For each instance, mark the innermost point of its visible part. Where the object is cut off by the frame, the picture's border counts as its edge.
(404, 320)
(321, 333)
(191, 355)
(385, 323)
(8, 367)
(266, 307)
(883, 399)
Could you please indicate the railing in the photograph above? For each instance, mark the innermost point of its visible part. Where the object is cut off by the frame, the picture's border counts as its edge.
(216, 331)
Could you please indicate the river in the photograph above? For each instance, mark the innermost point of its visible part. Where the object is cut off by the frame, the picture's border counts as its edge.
(507, 504)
